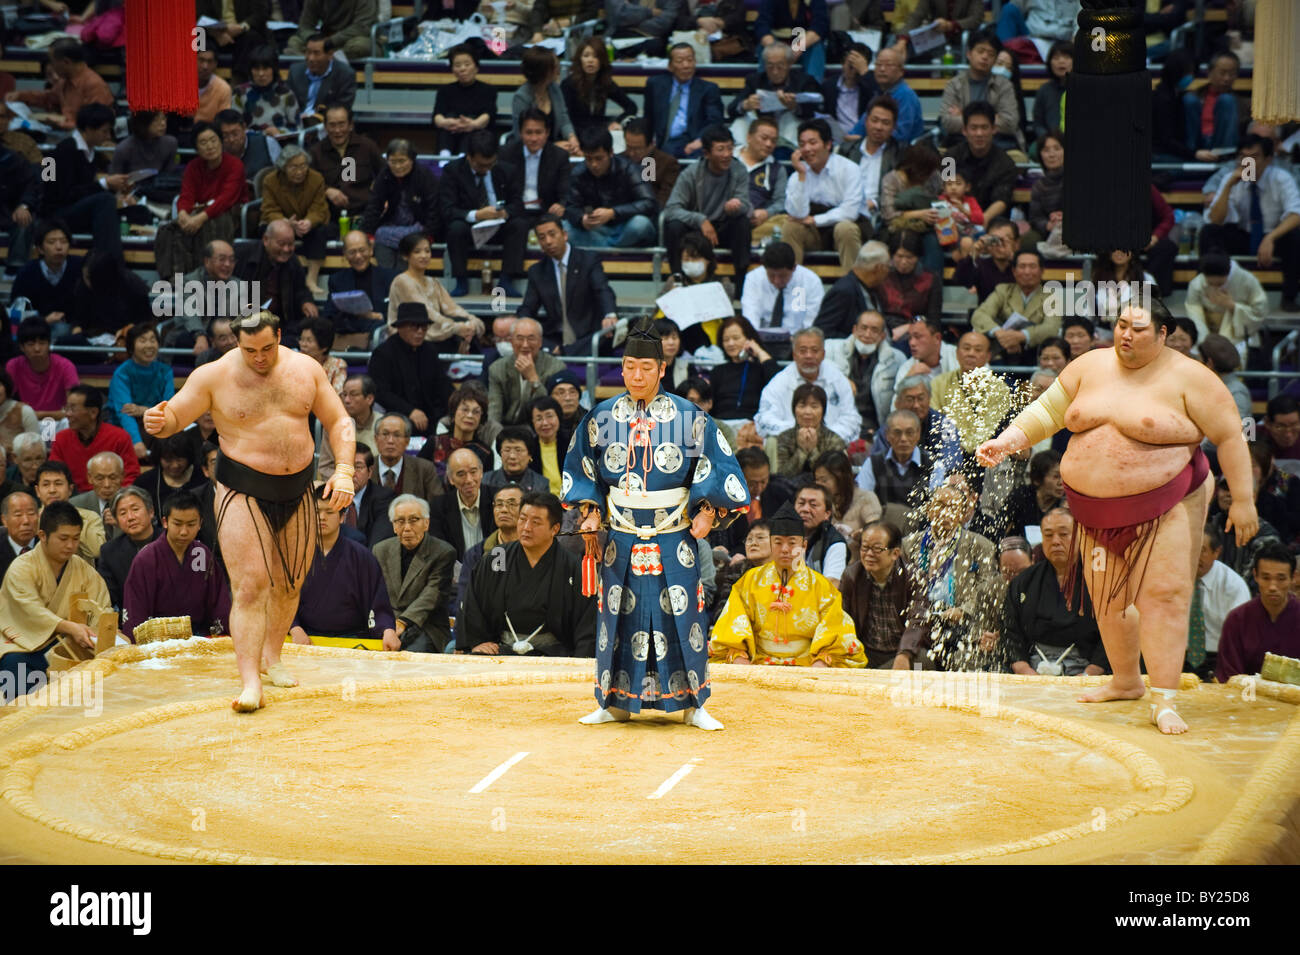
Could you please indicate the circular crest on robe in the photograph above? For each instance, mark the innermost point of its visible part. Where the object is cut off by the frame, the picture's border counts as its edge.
(623, 409)
(696, 638)
(589, 469)
(624, 682)
(630, 481)
(628, 602)
(611, 553)
(677, 683)
(616, 456)
(673, 600)
(661, 515)
(697, 429)
(640, 645)
(668, 457)
(722, 443)
(604, 682)
(661, 645)
(735, 490)
(614, 598)
(593, 432)
(650, 686)
(603, 641)
(566, 484)
(662, 408)
(686, 554)
(693, 680)
(573, 440)
(703, 468)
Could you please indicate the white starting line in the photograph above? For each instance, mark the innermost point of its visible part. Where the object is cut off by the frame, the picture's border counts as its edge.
(674, 779)
(497, 773)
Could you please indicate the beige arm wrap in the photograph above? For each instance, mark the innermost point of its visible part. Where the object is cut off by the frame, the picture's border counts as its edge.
(1044, 416)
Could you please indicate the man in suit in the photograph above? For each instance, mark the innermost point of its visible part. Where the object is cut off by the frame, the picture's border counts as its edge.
(370, 505)
(397, 471)
(463, 516)
(107, 473)
(320, 80)
(512, 385)
(18, 513)
(417, 570)
(541, 166)
(1025, 297)
(678, 107)
(362, 275)
(81, 194)
(476, 189)
(280, 275)
(409, 376)
(587, 303)
(778, 75)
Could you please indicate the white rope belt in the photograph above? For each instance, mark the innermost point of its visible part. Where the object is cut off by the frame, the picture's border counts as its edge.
(675, 498)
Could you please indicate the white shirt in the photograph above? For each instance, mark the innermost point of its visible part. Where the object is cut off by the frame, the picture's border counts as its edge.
(774, 412)
(834, 561)
(869, 167)
(803, 298)
(1279, 196)
(1222, 590)
(89, 154)
(838, 185)
(532, 161)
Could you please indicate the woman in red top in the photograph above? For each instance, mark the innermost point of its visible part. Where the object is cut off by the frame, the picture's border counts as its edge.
(212, 191)
(909, 292)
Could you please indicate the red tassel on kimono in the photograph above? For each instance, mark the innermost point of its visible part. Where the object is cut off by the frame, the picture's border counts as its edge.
(161, 71)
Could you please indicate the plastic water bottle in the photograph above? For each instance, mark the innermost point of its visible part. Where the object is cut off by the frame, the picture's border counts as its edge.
(776, 234)
(345, 225)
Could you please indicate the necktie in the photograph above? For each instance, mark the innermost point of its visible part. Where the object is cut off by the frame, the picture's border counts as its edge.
(350, 516)
(30, 545)
(1196, 629)
(390, 480)
(480, 195)
(569, 335)
(778, 310)
(673, 105)
(1256, 218)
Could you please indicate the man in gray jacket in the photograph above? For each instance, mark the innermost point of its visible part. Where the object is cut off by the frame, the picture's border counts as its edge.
(712, 198)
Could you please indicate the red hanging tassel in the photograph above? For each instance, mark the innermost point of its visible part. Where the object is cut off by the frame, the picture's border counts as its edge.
(161, 70)
(590, 582)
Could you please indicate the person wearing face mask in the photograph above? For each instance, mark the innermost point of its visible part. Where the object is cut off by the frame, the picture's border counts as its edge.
(981, 82)
(870, 368)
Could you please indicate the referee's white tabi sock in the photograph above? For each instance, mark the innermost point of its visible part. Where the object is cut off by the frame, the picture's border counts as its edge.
(603, 715)
(698, 718)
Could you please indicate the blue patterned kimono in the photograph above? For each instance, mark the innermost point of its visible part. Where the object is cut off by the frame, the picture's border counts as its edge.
(651, 640)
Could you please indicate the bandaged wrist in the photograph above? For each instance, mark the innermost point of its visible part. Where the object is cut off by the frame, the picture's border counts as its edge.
(1045, 416)
(347, 469)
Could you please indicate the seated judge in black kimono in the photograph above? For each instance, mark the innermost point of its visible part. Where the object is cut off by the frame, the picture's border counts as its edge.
(526, 596)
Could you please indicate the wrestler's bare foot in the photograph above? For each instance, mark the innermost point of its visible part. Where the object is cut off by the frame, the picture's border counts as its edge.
(280, 675)
(602, 715)
(1163, 714)
(247, 701)
(1114, 690)
(698, 718)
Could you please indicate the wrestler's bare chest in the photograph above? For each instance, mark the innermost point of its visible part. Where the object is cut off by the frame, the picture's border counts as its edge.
(1139, 408)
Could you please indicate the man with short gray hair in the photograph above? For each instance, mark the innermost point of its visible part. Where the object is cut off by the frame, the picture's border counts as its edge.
(512, 386)
(106, 472)
(776, 74)
(854, 292)
(398, 471)
(810, 365)
(895, 475)
(418, 571)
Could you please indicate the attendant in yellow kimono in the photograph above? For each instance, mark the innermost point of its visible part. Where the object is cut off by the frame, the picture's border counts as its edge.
(784, 612)
(36, 600)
